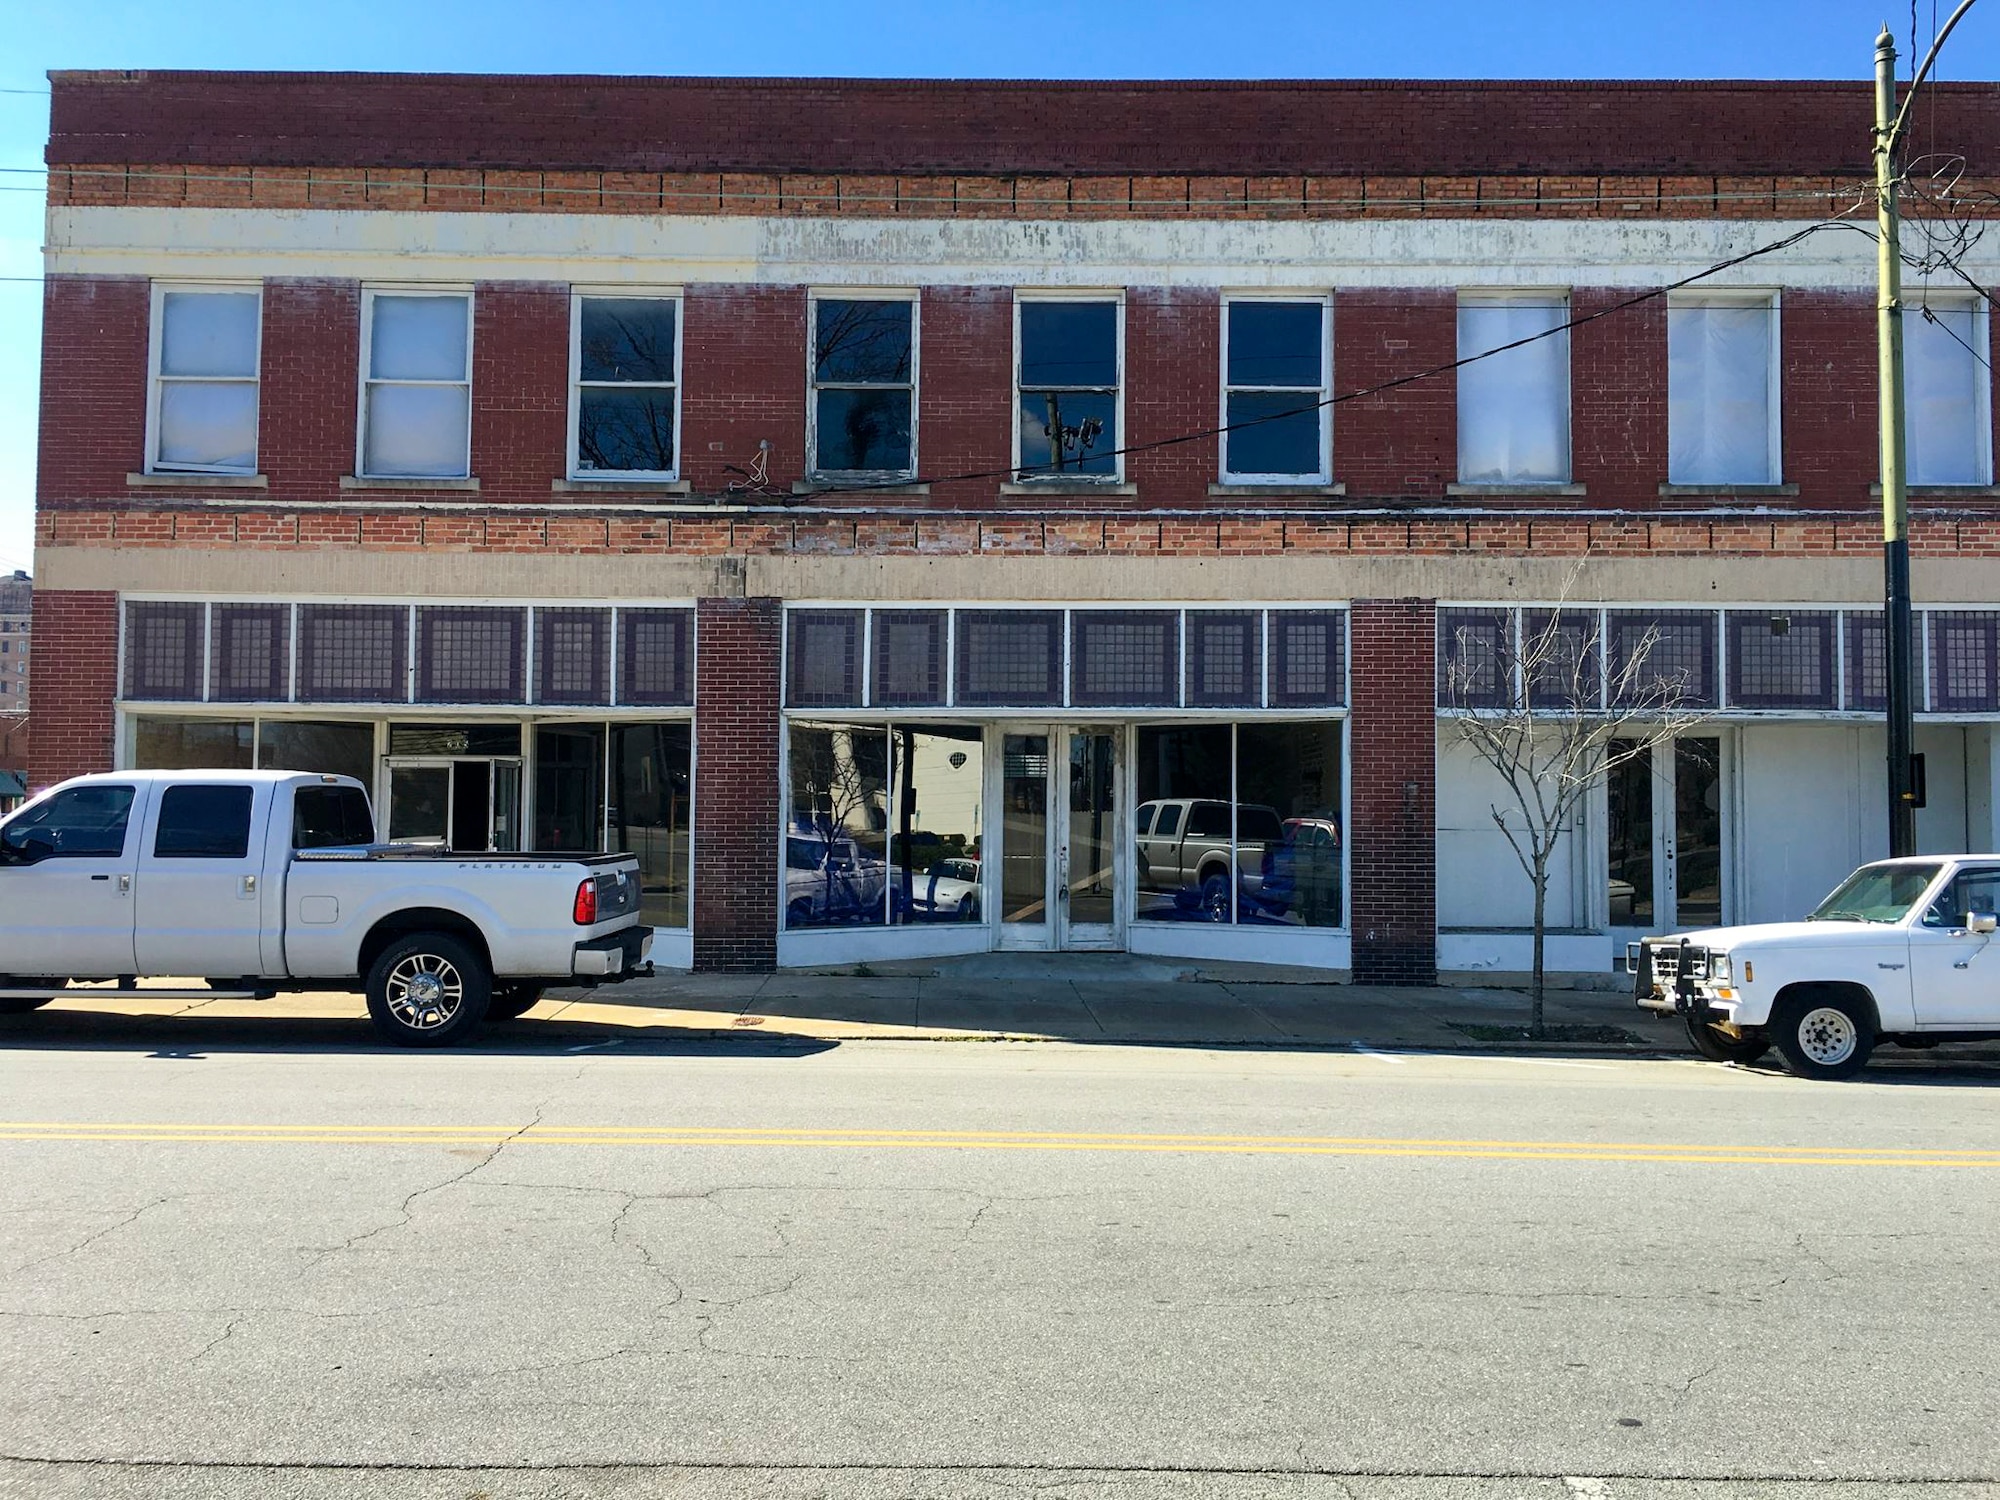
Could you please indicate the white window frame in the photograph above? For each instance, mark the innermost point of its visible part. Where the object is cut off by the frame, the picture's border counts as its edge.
(578, 295)
(1739, 297)
(1982, 373)
(428, 289)
(814, 385)
(1323, 396)
(1540, 296)
(1113, 295)
(156, 319)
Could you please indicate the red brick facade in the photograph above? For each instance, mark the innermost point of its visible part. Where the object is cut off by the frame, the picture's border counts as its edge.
(1429, 154)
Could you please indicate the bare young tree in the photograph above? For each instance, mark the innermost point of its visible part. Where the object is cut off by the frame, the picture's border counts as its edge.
(1554, 704)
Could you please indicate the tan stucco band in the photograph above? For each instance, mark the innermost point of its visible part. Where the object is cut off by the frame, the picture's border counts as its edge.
(1695, 581)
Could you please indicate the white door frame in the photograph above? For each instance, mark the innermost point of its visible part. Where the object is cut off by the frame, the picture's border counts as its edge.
(1665, 767)
(1055, 932)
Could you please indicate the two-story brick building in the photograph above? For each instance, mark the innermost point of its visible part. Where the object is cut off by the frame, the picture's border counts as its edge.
(925, 517)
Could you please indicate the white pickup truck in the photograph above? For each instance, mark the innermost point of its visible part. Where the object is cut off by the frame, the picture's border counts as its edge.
(1904, 951)
(260, 881)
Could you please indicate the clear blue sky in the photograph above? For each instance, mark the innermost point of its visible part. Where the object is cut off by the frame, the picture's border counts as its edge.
(951, 38)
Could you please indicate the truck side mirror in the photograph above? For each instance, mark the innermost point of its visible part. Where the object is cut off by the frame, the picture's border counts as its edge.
(1984, 923)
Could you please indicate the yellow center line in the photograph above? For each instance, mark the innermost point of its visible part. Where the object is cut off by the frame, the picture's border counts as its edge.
(812, 1138)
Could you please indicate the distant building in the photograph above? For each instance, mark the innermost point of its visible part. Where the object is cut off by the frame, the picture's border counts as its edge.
(17, 595)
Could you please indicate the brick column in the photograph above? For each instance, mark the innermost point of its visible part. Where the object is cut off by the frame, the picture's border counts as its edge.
(72, 678)
(1393, 741)
(736, 797)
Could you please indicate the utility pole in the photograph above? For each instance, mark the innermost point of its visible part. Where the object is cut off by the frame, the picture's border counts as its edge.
(1895, 472)
(1889, 122)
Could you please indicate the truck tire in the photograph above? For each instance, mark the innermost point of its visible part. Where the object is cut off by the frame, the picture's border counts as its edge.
(1720, 1047)
(512, 1001)
(1823, 1035)
(1215, 897)
(429, 989)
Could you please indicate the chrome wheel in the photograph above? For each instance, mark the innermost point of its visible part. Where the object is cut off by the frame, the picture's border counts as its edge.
(425, 991)
(1827, 1035)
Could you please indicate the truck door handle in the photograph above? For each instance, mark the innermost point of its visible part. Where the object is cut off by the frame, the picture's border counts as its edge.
(124, 885)
(249, 885)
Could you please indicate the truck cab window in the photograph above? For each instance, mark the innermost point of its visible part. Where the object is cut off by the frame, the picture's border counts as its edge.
(331, 817)
(203, 822)
(84, 822)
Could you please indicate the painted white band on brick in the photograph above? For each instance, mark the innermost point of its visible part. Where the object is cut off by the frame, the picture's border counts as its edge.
(625, 249)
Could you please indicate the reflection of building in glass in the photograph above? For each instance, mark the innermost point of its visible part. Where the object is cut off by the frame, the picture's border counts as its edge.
(1031, 558)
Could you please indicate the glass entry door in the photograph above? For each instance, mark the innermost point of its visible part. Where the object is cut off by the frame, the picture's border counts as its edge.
(469, 805)
(1668, 833)
(1059, 792)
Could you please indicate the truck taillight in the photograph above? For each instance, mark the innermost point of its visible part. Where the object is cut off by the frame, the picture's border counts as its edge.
(585, 909)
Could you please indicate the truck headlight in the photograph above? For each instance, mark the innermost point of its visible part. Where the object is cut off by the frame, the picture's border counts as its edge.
(1718, 967)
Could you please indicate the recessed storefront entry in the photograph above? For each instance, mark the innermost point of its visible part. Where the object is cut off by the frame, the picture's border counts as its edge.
(1060, 796)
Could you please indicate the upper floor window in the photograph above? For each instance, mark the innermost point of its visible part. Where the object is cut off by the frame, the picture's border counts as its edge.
(416, 390)
(1275, 375)
(862, 420)
(1068, 396)
(1513, 404)
(204, 388)
(625, 353)
(1947, 392)
(1722, 389)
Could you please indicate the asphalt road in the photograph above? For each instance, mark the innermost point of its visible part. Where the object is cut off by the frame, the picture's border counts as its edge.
(960, 1269)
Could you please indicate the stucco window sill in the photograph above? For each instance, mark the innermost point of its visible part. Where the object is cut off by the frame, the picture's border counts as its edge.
(1067, 487)
(858, 486)
(1565, 491)
(1948, 491)
(620, 487)
(361, 482)
(198, 481)
(1274, 491)
(1730, 491)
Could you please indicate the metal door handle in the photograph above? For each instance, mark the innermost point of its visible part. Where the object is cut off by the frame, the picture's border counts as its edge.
(249, 885)
(124, 885)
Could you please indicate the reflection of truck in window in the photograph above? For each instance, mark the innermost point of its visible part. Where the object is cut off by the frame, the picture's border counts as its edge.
(1183, 855)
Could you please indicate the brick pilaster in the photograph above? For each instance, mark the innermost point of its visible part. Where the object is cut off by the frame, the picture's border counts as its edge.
(736, 775)
(72, 678)
(1393, 741)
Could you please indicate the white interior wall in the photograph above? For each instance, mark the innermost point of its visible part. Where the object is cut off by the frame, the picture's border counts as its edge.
(1480, 882)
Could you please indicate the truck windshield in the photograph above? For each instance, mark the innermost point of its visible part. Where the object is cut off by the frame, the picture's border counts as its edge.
(1876, 893)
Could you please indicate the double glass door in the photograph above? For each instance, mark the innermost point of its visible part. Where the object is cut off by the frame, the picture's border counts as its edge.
(1060, 790)
(470, 805)
(1668, 832)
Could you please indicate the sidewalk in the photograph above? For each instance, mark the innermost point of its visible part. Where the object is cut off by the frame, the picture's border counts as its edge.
(1114, 998)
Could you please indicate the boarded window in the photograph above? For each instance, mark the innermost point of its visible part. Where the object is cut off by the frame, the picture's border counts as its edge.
(1559, 659)
(823, 658)
(251, 657)
(573, 656)
(1126, 659)
(1663, 659)
(1867, 661)
(653, 651)
(353, 653)
(1225, 658)
(909, 658)
(1781, 659)
(469, 655)
(163, 651)
(1965, 661)
(1308, 658)
(1010, 657)
(1475, 658)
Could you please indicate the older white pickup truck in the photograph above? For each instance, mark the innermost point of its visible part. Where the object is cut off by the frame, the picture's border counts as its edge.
(260, 881)
(1904, 951)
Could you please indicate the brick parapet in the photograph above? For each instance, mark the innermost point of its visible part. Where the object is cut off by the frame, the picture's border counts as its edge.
(1022, 196)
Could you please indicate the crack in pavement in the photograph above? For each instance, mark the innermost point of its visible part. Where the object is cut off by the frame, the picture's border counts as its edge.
(131, 1216)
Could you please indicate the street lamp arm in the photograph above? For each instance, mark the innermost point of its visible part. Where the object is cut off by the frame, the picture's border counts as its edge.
(1902, 115)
